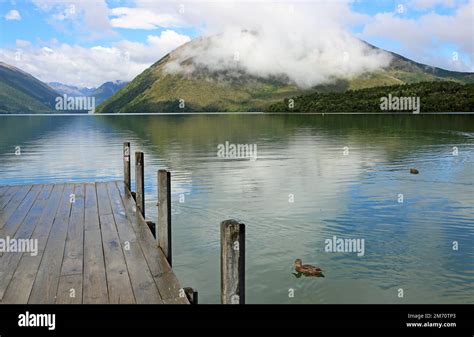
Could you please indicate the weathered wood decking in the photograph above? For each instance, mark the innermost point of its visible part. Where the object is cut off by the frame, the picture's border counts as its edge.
(93, 247)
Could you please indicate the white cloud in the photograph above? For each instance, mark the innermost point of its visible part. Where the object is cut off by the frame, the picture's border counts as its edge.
(47, 50)
(87, 67)
(426, 4)
(303, 42)
(85, 17)
(167, 40)
(422, 39)
(141, 18)
(425, 37)
(306, 41)
(22, 43)
(13, 15)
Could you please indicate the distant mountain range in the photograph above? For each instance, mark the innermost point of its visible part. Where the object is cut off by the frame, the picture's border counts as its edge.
(107, 90)
(158, 90)
(71, 90)
(101, 93)
(21, 92)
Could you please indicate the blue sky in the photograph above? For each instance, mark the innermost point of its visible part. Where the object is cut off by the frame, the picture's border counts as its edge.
(37, 25)
(48, 37)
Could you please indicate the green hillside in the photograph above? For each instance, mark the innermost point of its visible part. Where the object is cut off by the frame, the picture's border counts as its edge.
(22, 93)
(434, 97)
(157, 91)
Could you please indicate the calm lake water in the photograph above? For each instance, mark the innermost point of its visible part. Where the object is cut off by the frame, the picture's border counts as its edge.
(344, 174)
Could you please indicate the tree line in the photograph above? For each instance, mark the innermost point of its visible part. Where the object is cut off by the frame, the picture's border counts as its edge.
(434, 97)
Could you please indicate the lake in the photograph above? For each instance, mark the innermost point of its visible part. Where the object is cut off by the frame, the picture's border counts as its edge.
(314, 177)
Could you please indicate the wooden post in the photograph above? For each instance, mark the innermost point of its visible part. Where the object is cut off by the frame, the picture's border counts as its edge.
(140, 182)
(232, 262)
(191, 295)
(126, 165)
(164, 213)
(152, 227)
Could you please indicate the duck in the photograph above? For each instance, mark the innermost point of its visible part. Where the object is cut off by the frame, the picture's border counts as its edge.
(414, 171)
(307, 269)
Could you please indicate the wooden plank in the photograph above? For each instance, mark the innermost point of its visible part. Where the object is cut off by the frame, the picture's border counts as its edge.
(123, 221)
(44, 225)
(169, 286)
(103, 199)
(10, 260)
(175, 300)
(95, 281)
(70, 282)
(70, 289)
(167, 283)
(13, 204)
(8, 195)
(91, 212)
(47, 279)
(79, 200)
(118, 280)
(4, 189)
(64, 210)
(45, 192)
(13, 223)
(90, 196)
(143, 284)
(142, 232)
(17, 193)
(74, 250)
(21, 284)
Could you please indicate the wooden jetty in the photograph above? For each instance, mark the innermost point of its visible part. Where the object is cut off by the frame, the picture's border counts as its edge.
(94, 245)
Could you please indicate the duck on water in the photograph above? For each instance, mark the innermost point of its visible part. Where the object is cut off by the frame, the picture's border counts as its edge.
(307, 269)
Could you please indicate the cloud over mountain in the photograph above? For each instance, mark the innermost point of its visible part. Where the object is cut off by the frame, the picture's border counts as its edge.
(87, 67)
(308, 42)
(305, 42)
